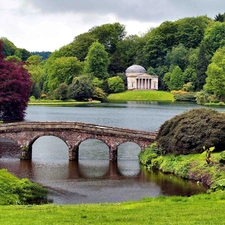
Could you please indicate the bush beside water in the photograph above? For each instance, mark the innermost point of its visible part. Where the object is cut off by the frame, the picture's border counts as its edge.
(20, 191)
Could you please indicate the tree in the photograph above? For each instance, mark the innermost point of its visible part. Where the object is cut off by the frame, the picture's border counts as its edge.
(176, 79)
(62, 70)
(15, 85)
(201, 67)
(215, 81)
(97, 61)
(109, 35)
(214, 38)
(35, 67)
(177, 56)
(81, 88)
(220, 17)
(115, 84)
(61, 93)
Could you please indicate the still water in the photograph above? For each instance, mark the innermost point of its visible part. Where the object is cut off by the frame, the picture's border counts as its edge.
(94, 179)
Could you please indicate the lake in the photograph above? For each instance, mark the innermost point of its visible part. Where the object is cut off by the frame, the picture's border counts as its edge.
(93, 178)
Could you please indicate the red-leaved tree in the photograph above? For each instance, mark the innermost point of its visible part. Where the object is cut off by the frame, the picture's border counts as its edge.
(15, 86)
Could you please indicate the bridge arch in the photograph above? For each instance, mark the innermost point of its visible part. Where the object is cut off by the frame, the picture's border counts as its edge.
(95, 148)
(126, 148)
(49, 147)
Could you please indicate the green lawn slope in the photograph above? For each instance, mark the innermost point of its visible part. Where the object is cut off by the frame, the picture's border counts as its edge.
(141, 95)
(199, 209)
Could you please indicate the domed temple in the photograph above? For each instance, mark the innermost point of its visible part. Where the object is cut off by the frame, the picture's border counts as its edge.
(138, 78)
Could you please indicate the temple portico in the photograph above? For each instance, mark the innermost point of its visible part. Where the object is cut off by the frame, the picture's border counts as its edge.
(137, 78)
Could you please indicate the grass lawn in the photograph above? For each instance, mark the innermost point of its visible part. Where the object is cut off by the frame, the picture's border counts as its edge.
(59, 102)
(199, 209)
(141, 95)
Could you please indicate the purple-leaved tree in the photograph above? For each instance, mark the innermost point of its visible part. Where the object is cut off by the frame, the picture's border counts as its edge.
(15, 86)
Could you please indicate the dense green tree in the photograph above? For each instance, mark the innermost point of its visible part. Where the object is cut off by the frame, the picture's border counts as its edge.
(35, 67)
(158, 42)
(201, 67)
(115, 84)
(99, 94)
(109, 35)
(13, 58)
(220, 17)
(62, 70)
(177, 56)
(190, 30)
(176, 79)
(214, 37)
(190, 75)
(97, 61)
(62, 92)
(81, 88)
(43, 54)
(9, 49)
(24, 54)
(15, 88)
(215, 81)
(81, 44)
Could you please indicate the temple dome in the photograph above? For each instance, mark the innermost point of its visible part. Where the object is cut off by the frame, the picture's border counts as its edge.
(136, 69)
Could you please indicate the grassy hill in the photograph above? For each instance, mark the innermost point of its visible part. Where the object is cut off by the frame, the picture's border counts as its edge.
(141, 95)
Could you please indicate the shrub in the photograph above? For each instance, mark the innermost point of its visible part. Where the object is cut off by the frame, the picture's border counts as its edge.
(218, 186)
(190, 131)
(149, 154)
(222, 157)
(16, 191)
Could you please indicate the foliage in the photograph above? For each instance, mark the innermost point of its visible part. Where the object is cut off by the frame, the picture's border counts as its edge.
(9, 49)
(146, 157)
(214, 37)
(176, 80)
(44, 55)
(62, 70)
(222, 157)
(116, 84)
(188, 132)
(192, 166)
(99, 94)
(15, 88)
(16, 191)
(181, 95)
(62, 92)
(203, 97)
(81, 88)
(177, 56)
(97, 61)
(35, 67)
(215, 81)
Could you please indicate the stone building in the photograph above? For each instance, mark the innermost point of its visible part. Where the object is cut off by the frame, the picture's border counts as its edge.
(139, 79)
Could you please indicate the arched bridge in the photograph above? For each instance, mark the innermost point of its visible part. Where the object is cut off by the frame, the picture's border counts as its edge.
(73, 133)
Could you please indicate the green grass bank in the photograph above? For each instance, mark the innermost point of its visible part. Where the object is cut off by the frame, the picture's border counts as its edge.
(199, 209)
(141, 95)
(59, 102)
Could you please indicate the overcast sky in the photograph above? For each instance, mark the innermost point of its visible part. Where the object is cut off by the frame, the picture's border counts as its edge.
(47, 25)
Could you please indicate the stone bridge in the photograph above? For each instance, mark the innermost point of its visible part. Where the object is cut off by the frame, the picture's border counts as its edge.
(73, 133)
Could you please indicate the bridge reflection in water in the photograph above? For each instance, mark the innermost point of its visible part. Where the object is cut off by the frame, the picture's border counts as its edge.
(93, 178)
